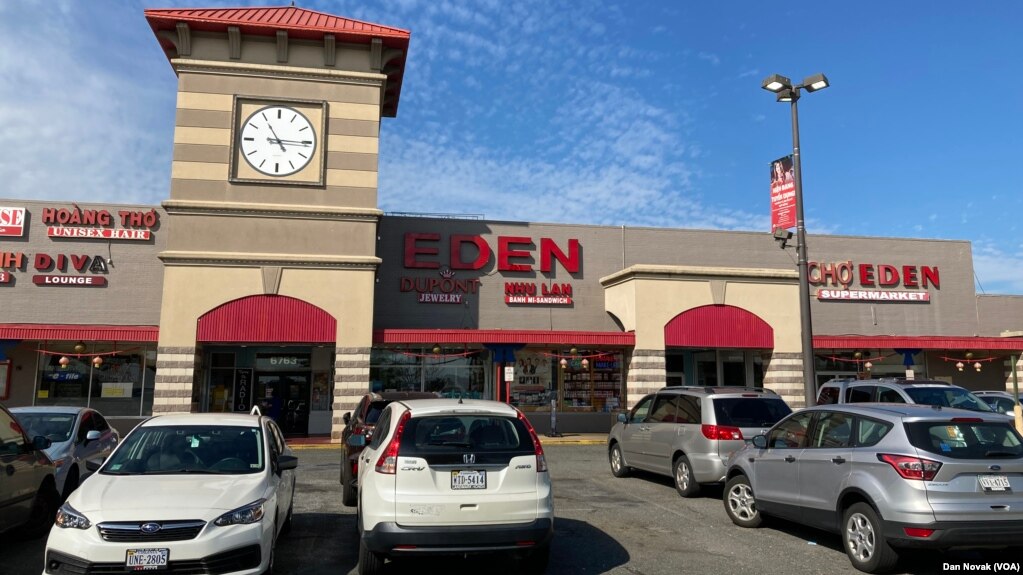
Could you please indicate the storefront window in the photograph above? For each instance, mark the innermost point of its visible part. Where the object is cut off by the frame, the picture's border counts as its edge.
(450, 372)
(594, 387)
(119, 384)
(532, 388)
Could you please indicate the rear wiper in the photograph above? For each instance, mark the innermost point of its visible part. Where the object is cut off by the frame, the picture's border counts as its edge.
(451, 443)
(1000, 454)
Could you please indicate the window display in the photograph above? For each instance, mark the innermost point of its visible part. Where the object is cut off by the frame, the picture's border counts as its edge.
(532, 389)
(591, 382)
(115, 381)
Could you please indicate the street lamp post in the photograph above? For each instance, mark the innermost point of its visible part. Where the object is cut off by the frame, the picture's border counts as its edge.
(787, 92)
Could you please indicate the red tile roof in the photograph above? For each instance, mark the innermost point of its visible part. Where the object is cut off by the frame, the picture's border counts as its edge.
(64, 332)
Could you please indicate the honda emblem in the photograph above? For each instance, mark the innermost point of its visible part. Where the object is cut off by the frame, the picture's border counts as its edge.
(469, 458)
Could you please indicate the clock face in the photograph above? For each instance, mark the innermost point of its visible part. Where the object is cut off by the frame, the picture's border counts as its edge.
(277, 140)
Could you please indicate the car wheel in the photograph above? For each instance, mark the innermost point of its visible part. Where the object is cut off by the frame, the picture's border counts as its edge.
(864, 540)
(685, 481)
(70, 482)
(349, 493)
(535, 563)
(618, 467)
(740, 504)
(370, 563)
(44, 509)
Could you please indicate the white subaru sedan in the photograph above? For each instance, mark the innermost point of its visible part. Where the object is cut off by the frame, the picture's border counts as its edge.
(445, 476)
(191, 493)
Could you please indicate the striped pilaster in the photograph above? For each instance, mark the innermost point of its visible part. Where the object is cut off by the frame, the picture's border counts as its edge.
(1007, 370)
(784, 375)
(645, 375)
(175, 374)
(351, 382)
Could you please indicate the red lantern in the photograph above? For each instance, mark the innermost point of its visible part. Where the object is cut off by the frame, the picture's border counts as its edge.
(97, 361)
(63, 361)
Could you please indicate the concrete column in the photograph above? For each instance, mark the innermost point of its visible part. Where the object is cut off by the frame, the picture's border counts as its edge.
(783, 374)
(351, 382)
(645, 375)
(175, 375)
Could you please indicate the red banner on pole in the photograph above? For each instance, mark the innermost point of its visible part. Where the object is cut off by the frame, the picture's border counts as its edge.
(783, 194)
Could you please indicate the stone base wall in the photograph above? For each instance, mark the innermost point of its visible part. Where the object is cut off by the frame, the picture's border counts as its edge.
(645, 375)
(351, 382)
(783, 374)
(1008, 372)
(175, 375)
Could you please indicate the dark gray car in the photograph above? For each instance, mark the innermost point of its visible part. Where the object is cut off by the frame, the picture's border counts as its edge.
(28, 491)
(689, 432)
(885, 477)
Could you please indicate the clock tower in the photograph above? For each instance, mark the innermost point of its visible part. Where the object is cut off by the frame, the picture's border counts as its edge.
(271, 259)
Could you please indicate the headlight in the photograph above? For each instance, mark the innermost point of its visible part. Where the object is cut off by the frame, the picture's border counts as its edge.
(251, 513)
(69, 518)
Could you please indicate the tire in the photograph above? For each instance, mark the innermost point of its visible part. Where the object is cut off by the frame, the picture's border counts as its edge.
(740, 505)
(617, 461)
(370, 563)
(44, 510)
(349, 493)
(535, 563)
(685, 481)
(70, 482)
(864, 541)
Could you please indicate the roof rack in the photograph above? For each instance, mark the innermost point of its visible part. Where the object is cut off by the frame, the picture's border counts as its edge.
(720, 388)
(255, 410)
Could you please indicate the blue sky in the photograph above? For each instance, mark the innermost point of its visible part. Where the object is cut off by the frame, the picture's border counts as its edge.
(639, 112)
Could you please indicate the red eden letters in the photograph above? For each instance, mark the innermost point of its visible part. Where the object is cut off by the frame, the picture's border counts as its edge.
(472, 252)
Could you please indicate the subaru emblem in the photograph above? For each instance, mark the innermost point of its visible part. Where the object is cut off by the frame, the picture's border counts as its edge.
(150, 528)
(995, 468)
(469, 458)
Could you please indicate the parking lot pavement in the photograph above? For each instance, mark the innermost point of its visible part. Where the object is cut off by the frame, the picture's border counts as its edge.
(632, 526)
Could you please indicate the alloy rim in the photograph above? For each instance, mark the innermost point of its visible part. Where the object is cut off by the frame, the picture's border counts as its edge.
(682, 476)
(740, 501)
(616, 460)
(859, 535)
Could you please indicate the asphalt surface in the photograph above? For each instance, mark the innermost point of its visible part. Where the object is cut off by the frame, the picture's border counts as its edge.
(631, 526)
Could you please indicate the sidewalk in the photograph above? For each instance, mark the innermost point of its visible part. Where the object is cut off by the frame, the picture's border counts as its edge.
(323, 441)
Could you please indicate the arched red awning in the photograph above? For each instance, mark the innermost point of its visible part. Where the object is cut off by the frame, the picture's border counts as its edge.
(718, 326)
(267, 319)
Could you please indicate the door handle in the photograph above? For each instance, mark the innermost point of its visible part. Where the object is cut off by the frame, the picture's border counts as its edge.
(789, 459)
(839, 459)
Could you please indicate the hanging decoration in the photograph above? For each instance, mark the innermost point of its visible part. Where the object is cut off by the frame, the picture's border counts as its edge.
(97, 361)
(64, 361)
(969, 359)
(95, 355)
(437, 352)
(857, 358)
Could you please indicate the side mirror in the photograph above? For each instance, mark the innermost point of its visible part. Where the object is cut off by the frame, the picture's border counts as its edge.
(347, 417)
(623, 418)
(357, 440)
(92, 435)
(285, 462)
(94, 464)
(760, 441)
(40, 442)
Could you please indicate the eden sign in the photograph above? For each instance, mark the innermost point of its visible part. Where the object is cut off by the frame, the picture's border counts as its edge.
(843, 275)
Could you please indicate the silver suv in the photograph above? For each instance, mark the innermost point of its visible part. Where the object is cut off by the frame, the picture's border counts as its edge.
(885, 477)
(899, 390)
(689, 432)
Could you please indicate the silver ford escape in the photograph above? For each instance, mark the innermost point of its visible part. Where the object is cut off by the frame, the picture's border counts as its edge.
(885, 477)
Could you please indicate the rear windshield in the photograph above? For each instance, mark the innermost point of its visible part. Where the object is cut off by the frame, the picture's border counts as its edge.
(947, 397)
(56, 427)
(459, 433)
(966, 440)
(749, 411)
(374, 411)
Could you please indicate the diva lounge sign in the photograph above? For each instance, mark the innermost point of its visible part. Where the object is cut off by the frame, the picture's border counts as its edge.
(844, 275)
(98, 224)
(57, 263)
(473, 252)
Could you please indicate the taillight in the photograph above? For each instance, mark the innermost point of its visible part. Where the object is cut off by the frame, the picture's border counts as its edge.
(916, 468)
(917, 532)
(388, 462)
(721, 432)
(541, 461)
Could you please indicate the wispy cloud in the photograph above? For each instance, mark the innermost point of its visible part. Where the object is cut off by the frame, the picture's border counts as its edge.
(712, 58)
(997, 270)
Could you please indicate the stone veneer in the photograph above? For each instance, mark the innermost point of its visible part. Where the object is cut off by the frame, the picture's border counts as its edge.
(784, 375)
(1008, 373)
(645, 374)
(175, 375)
(351, 382)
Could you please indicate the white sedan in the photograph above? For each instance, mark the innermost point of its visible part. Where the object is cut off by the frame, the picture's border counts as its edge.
(198, 492)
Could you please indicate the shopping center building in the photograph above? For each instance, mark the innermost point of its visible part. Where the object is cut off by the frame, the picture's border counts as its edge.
(270, 277)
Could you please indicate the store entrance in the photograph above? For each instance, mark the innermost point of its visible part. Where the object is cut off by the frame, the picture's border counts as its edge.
(285, 398)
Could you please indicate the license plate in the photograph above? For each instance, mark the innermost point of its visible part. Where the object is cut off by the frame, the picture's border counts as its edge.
(146, 559)
(994, 482)
(468, 480)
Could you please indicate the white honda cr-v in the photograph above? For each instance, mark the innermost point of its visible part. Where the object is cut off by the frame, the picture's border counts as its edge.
(453, 476)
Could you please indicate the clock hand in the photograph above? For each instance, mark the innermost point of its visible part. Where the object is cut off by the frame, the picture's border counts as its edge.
(278, 140)
(297, 142)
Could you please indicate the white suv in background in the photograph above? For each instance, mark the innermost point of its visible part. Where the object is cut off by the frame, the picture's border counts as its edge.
(453, 476)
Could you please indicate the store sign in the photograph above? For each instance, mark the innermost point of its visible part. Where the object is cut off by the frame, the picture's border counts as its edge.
(56, 262)
(872, 295)
(513, 252)
(869, 275)
(12, 222)
(445, 289)
(77, 223)
(527, 293)
(283, 361)
(783, 194)
(73, 281)
(242, 390)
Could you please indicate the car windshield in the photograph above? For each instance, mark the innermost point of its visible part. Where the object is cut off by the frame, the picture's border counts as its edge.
(749, 411)
(194, 449)
(966, 439)
(56, 427)
(947, 397)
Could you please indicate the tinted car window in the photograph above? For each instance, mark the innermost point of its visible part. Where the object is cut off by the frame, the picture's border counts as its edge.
(11, 439)
(56, 427)
(641, 410)
(173, 449)
(859, 394)
(99, 423)
(966, 440)
(374, 410)
(457, 433)
(947, 397)
(84, 426)
(888, 395)
(828, 396)
(689, 410)
(665, 409)
(749, 411)
(382, 424)
(790, 433)
(832, 430)
(870, 431)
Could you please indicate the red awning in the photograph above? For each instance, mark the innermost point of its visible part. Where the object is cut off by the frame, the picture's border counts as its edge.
(481, 336)
(718, 326)
(65, 332)
(918, 341)
(267, 319)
